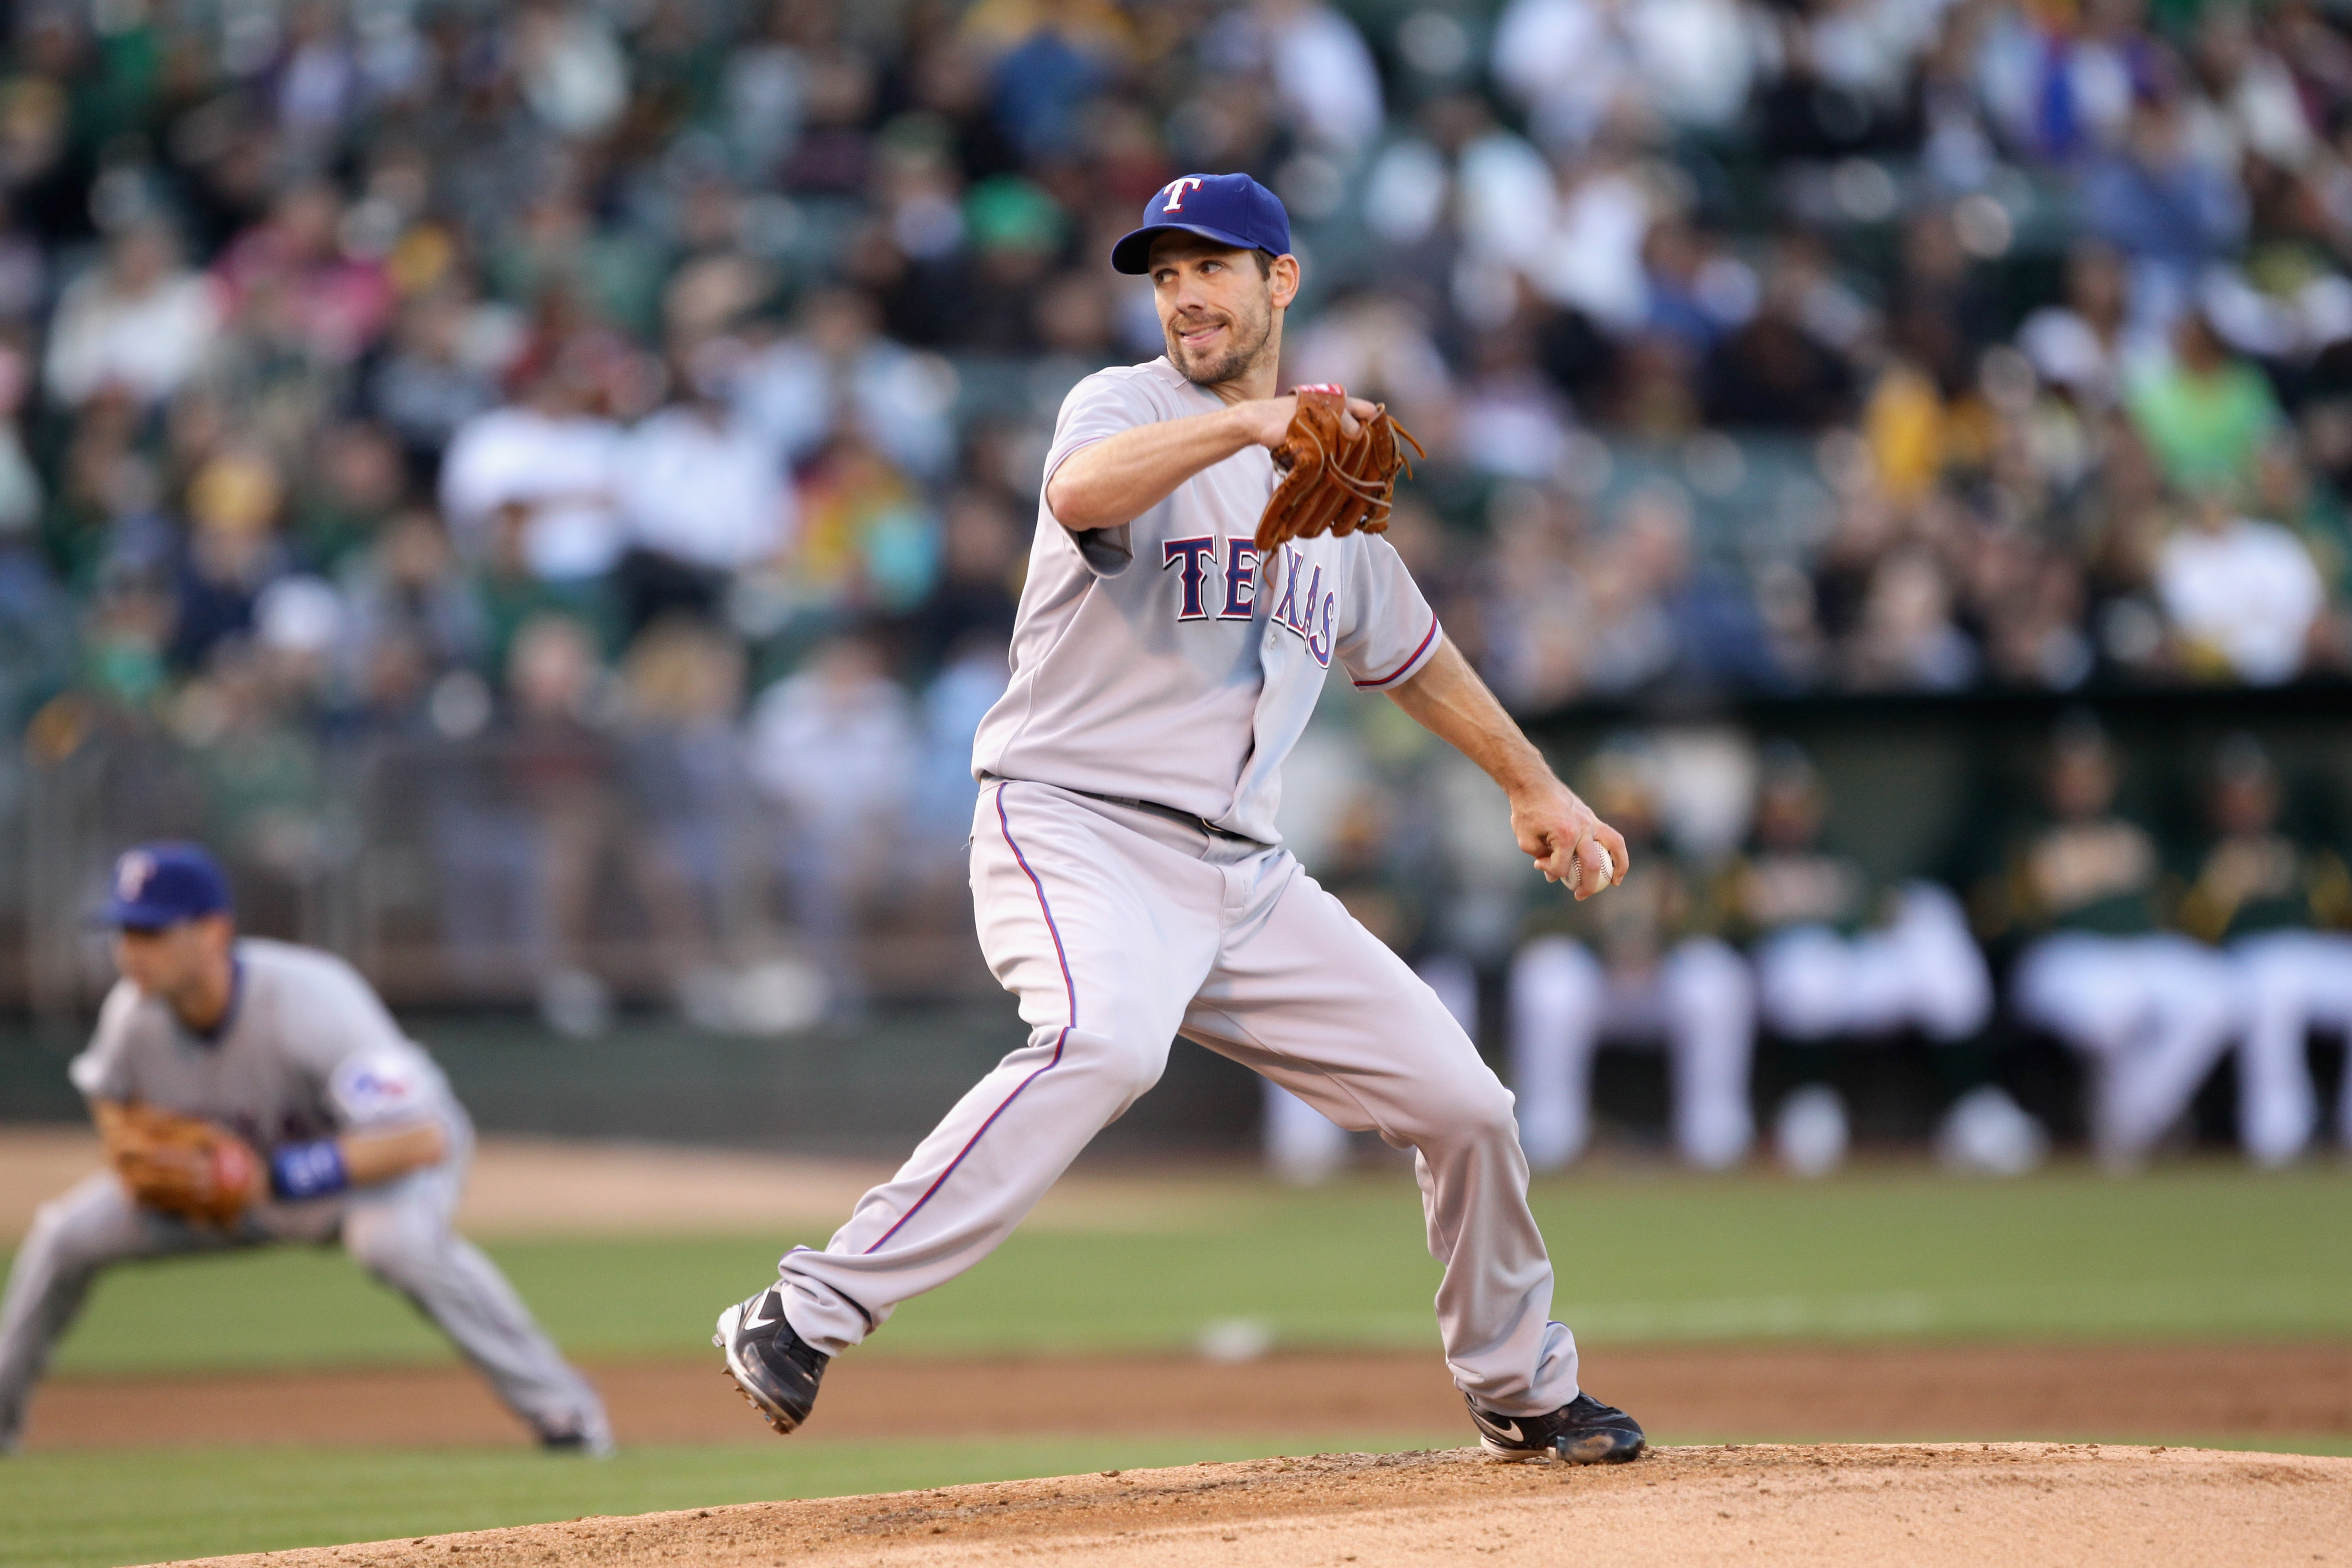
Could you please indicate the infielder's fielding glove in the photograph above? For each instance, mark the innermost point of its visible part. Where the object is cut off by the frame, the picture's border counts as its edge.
(183, 1166)
(1333, 482)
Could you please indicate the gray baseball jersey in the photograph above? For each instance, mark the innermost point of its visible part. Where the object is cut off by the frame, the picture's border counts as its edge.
(1162, 660)
(307, 1052)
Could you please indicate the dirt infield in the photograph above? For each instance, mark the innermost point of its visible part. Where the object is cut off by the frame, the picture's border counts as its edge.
(2020, 1505)
(2144, 1392)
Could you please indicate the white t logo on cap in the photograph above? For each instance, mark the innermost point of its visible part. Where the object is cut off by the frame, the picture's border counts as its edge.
(130, 874)
(1175, 193)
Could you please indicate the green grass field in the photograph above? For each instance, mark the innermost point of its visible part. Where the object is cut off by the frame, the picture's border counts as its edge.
(2207, 1251)
(2200, 1251)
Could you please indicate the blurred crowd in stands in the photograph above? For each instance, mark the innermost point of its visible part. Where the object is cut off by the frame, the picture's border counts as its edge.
(669, 378)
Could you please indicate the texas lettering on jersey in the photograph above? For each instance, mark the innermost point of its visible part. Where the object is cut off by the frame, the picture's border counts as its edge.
(1229, 579)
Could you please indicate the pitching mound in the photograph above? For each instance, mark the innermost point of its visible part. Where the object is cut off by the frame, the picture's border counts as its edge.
(2017, 1504)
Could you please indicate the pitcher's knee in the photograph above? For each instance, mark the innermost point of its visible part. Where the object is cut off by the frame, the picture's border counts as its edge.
(1127, 1067)
(1468, 1109)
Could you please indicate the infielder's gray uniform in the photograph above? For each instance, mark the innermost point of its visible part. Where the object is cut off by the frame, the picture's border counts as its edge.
(308, 1052)
(1129, 885)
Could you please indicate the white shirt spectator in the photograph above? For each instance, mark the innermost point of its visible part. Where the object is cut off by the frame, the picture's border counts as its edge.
(955, 702)
(561, 468)
(2248, 590)
(837, 744)
(574, 74)
(1594, 261)
(1566, 60)
(1404, 194)
(792, 395)
(704, 490)
(1324, 72)
(1571, 62)
(1508, 200)
(144, 335)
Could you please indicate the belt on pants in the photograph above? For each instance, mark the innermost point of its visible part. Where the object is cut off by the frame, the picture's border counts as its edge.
(1132, 803)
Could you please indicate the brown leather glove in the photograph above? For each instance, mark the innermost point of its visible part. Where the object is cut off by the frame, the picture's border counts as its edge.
(1333, 482)
(184, 1165)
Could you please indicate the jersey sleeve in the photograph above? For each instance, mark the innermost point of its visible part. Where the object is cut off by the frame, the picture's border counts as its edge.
(1097, 408)
(377, 1088)
(1389, 633)
(103, 1071)
(370, 1073)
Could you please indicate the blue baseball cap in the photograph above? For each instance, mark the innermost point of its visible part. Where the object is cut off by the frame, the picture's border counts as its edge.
(161, 885)
(1231, 209)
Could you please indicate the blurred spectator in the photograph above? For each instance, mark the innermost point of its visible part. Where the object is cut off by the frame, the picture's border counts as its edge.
(234, 552)
(2166, 204)
(434, 380)
(1577, 63)
(2083, 345)
(1050, 57)
(684, 686)
(138, 322)
(292, 273)
(549, 460)
(835, 369)
(704, 497)
(356, 482)
(2206, 414)
(981, 563)
(414, 615)
(2244, 594)
(835, 747)
(1316, 59)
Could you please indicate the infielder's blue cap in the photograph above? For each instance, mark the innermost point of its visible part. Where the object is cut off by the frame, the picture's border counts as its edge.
(1231, 209)
(162, 885)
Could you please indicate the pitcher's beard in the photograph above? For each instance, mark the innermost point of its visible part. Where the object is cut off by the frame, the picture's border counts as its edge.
(1227, 366)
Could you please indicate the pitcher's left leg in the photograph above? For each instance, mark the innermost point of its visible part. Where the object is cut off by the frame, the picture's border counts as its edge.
(1304, 995)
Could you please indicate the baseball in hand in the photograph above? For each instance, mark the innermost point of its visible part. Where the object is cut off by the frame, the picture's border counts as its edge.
(1576, 869)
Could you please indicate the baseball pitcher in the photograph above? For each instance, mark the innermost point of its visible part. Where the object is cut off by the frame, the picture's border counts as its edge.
(1205, 550)
(250, 1092)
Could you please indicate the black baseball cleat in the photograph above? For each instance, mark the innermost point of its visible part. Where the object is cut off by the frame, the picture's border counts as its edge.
(775, 1368)
(1582, 1432)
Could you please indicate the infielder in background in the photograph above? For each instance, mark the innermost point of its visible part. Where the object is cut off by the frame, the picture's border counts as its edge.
(1126, 878)
(252, 1091)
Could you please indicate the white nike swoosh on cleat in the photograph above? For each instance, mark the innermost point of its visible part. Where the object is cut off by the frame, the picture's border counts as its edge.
(1509, 1430)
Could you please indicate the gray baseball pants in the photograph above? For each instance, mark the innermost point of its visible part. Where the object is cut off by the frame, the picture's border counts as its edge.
(399, 1231)
(1120, 928)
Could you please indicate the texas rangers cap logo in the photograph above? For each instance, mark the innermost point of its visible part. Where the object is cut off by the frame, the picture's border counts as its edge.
(132, 874)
